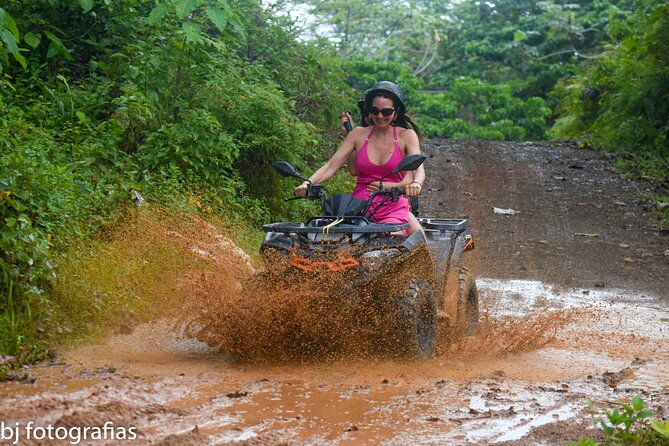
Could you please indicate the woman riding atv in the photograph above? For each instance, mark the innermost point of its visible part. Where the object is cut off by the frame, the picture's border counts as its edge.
(379, 149)
(366, 121)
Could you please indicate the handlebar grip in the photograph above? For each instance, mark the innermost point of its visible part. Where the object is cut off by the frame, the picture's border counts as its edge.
(314, 191)
(392, 191)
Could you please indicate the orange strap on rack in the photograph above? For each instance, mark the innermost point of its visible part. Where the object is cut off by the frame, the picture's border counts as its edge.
(323, 265)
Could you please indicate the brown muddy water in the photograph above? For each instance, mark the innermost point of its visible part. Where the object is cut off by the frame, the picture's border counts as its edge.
(541, 356)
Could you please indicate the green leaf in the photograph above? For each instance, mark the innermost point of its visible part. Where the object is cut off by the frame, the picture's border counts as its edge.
(51, 52)
(20, 59)
(226, 5)
(20, 207)
(218, 17)
(642, 414)
(87, 5)
(607, 429)
(661, 428)
(52, 37)
(10, 24)
(158, 13)
(193, 31)
(519, 36)
(12, 47)
(185, 7)
(22, 194)
(81, 116)
(238, 27)
(56, 46)
(9, 40)
(32, 40)
(637, 403)
(628, 409)
(10, 222)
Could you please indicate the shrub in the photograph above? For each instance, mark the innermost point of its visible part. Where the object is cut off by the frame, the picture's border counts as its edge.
(619, 102)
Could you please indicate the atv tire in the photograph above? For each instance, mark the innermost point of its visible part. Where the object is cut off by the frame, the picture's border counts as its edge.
(417, 320)
(467, 317)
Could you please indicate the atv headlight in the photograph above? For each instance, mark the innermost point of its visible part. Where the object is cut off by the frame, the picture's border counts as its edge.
(374, 260)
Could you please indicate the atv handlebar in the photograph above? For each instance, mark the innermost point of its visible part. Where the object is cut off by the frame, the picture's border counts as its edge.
(317, 191)
(394, 194)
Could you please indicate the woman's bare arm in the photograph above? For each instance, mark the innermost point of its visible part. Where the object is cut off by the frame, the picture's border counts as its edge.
(335, 163)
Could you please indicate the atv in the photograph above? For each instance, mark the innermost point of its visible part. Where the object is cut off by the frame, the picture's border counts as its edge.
(401, 291)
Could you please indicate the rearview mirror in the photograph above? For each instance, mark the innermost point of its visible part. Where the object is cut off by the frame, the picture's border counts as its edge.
(285, 169)
(409, 162)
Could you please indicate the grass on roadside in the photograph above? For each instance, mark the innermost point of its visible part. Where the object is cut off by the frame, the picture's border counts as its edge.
(629, 425)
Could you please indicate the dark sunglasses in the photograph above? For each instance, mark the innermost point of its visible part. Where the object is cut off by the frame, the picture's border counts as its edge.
(384, 111)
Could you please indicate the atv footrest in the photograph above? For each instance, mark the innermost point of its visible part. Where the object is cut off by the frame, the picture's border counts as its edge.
(445, 224)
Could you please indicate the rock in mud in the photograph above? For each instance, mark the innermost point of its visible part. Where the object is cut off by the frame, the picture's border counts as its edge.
(20, 377)
(237, 394)
(612, 379)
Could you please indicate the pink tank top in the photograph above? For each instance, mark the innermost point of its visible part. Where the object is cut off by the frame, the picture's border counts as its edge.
(368, 172)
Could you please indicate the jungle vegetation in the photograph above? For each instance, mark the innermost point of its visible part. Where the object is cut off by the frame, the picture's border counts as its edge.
(189, 102)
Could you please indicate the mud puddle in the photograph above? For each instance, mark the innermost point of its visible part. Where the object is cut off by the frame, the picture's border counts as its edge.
(541, 356)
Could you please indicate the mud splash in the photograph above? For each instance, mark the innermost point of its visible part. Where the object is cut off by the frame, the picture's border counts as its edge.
(157, 263)
(541, 354)
(151, 264)
(266, 325)
(308, 318)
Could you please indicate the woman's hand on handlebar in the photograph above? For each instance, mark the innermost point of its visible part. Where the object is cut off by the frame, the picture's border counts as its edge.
(301, 190)
(414, 189)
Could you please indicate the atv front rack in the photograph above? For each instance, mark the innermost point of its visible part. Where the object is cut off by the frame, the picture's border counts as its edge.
(350, 225)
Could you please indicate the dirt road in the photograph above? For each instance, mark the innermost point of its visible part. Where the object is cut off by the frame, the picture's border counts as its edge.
(575, 291)
(579, 221)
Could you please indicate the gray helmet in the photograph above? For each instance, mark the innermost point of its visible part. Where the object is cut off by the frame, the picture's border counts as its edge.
(387, 87)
